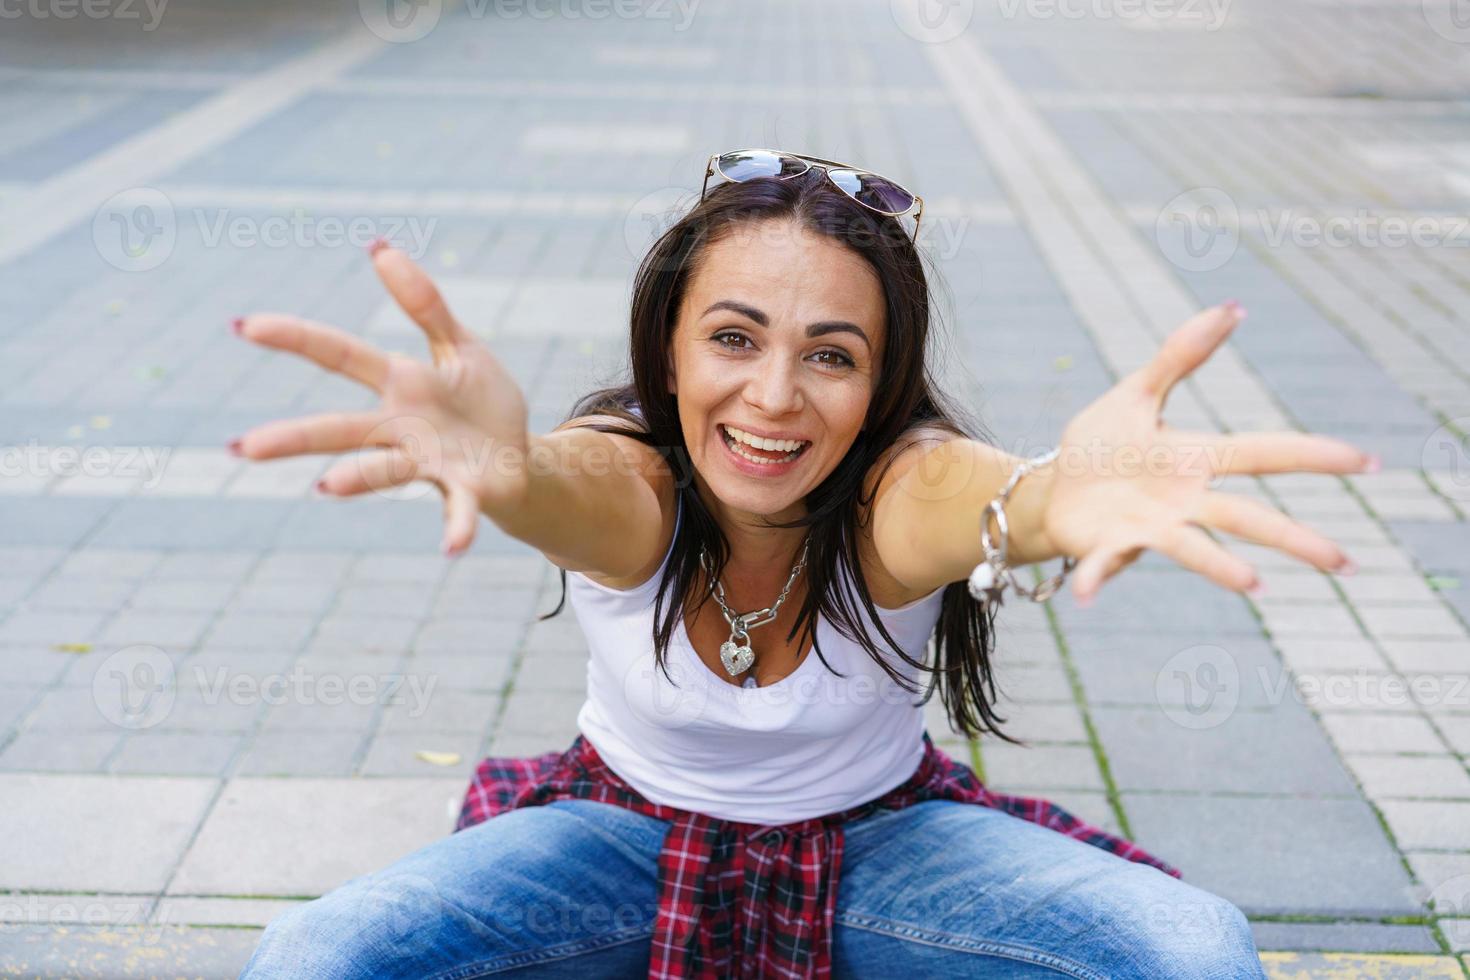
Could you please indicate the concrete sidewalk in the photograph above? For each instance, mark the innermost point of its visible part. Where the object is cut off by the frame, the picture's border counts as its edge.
(220, 695)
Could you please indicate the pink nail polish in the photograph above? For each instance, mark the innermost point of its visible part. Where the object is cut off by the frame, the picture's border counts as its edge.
(1374, 464)
(1084, 601)
(320, 487)
(234, 447)
(1348, 567)
(1256, 591)
(377, 245)
(238, 325)
(1231, 304)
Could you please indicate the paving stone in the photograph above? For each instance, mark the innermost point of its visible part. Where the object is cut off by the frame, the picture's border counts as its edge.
(181, 596)
(1178, 669)
(461, 672)
(1045, 723)
(496, 602)
(319, 714)
(185, 911)
(105, 952)
(1428, 655)
(1385, 776)
(364, 634)
(191, 524)
(59, 751)
(422, 754)
(33, 562)
(214, 566)
(1356, 732)
(49, 837)
(175, 753)
(1277, 855)
(440, 709)
(468, 636)
(1314, 619)
(1149, 749)
(538, 712)
(1456, 729)
(315, 567)
(1358, 937)
(1444, 881)
(1168, 602)
(1008, 767)
(304, 598)
(551, 672)
(302, 753)
(26, 626)
(85, 594)
(1411, 620)
(304, 837)
(52, 909)
(1403, 966)
(409, 600)
(528, 571)
(32, 665)
(1423, 824)
(162, 629)
(277, 631)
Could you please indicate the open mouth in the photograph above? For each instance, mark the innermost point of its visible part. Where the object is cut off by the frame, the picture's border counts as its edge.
(755, 449)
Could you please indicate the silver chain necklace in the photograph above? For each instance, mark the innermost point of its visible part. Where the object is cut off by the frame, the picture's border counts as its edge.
(736, 653)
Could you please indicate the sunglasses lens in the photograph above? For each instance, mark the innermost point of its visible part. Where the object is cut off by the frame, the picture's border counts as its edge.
(874, 191)
(749, 164)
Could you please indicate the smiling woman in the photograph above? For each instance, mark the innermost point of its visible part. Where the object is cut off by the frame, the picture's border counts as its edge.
(778, 447)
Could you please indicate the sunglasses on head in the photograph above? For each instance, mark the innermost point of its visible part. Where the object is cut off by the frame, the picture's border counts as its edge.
(872, 191)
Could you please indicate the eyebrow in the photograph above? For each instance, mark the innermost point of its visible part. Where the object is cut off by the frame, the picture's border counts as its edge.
(818, 329)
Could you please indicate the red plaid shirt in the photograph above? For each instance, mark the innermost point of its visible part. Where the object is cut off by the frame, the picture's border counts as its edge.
(741, 899)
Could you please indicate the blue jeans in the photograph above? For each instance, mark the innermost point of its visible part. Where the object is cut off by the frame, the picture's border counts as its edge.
(937, 889)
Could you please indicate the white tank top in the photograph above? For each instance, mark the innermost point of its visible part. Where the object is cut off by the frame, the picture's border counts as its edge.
(810, 744)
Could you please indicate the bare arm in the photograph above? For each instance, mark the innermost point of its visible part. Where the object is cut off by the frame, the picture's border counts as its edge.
(1124, 481)
(587, 499)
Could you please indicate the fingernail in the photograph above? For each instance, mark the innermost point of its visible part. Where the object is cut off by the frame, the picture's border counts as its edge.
(1084, 601)
(320, 488)
(1257, 590)
(377, 245)
(234, 447)
(450, 551)
(1234, 307)
(1374, 464)
(1348, 567)
(1231, 304)
(238, 325)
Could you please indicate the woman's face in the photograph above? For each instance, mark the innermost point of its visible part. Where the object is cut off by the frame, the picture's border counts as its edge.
(779, 337)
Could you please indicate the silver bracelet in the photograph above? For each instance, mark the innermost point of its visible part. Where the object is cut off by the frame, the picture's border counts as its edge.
(990, 578)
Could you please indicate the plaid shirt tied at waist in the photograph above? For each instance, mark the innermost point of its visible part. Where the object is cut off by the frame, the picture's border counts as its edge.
(741, 899)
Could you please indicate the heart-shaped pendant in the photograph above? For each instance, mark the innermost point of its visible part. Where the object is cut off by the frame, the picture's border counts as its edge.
(736, 658)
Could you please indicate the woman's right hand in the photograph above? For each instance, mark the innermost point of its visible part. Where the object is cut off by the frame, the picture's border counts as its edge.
(459, 423)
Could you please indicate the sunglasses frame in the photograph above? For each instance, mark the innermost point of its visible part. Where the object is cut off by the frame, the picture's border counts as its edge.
(827, 166)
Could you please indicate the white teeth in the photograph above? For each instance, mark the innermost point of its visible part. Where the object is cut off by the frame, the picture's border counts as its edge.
(769, 445)
(730, 440)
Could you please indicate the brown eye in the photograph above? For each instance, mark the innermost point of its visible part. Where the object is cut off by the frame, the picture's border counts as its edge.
(840, 359)
(719, 339)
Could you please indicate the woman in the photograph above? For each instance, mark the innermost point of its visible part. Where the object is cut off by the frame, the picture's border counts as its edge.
(753, 794)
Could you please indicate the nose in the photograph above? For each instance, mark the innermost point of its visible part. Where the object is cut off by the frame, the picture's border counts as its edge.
(773, 388)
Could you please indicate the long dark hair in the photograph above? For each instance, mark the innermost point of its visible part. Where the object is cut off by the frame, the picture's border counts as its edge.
(905, 399)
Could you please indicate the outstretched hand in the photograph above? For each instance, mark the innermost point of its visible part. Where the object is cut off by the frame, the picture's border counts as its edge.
(449, 422)
(1126, 481)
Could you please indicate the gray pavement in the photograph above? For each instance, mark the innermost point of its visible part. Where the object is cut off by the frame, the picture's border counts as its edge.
(221, 695)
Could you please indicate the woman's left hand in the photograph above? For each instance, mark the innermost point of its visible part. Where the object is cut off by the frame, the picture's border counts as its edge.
(1125, 481)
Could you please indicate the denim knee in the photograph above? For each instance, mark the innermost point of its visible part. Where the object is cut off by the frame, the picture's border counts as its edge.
(375, 926)
(1194, 936)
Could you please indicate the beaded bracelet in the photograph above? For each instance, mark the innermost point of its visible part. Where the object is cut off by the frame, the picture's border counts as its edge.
(990, 578)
